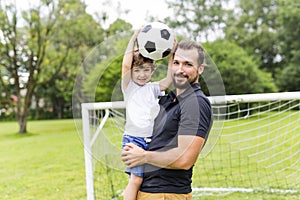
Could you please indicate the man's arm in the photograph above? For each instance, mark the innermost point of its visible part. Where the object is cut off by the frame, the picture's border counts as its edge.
(182, 157)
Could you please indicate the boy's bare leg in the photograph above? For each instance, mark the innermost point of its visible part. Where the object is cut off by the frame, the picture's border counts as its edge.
(132, 187)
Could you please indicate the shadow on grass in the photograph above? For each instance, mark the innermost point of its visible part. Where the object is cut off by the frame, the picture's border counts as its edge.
(18, 135)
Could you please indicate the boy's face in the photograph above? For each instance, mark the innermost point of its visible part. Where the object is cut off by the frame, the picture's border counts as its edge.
(141, 74)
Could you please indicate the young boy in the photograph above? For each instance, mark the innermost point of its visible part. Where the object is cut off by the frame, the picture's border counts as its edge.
(141, 98)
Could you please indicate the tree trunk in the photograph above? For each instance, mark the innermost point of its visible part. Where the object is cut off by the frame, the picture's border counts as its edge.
(22, 124)
(60, 108)
(24, 110)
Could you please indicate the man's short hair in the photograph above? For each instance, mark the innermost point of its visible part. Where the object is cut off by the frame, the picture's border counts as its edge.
(188, 45)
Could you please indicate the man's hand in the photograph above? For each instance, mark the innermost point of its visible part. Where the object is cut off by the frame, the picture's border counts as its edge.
(132, 155)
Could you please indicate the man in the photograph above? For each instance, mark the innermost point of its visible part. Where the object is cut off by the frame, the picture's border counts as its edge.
(179, 133)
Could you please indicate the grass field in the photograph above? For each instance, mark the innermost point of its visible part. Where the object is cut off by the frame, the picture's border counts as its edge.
(48, 163)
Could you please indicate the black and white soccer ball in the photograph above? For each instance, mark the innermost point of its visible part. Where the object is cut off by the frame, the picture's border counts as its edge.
(155, 41)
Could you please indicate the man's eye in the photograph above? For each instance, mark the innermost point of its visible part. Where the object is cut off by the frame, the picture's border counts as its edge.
(189, 64)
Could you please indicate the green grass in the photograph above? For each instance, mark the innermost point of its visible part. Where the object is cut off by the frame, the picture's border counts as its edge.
(48, 163)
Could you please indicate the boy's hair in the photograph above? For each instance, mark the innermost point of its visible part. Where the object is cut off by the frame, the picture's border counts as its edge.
(139, 60)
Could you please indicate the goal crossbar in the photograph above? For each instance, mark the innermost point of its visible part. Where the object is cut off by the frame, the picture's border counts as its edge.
(249, 98)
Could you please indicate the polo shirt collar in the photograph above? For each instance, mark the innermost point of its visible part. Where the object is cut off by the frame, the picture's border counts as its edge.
(187, 92)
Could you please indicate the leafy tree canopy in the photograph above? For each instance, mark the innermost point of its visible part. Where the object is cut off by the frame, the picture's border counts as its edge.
(239, 71)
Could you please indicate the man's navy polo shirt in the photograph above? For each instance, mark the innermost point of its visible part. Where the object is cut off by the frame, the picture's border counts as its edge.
(187, 114)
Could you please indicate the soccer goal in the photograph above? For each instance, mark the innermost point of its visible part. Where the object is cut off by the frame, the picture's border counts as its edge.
(253, 147)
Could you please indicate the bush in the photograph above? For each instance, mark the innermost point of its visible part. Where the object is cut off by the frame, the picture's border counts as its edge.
(239, 71)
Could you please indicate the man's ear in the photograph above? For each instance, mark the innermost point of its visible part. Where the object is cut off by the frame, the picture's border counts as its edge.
(201, 69)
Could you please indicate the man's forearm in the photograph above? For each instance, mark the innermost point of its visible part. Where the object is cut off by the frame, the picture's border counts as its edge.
(182, 157)
(167, 159)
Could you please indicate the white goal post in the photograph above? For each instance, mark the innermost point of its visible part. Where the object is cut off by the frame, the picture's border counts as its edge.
(280, 103)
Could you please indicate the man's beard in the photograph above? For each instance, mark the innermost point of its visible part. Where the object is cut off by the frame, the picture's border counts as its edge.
(185, 85)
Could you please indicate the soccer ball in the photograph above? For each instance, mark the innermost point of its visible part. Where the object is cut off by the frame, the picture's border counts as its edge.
(155, 41)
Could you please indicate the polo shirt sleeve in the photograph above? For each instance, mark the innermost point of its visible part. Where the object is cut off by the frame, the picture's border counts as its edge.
(196, 117)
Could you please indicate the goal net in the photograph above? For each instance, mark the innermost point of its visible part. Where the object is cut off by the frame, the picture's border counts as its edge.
(253, 147)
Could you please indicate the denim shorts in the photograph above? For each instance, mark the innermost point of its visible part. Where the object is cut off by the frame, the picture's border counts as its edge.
(141, 142)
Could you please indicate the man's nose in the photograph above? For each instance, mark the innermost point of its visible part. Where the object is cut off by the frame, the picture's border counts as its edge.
(180, 67)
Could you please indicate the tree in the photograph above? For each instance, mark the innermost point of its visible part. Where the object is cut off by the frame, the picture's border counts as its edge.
(76, 34)
(253, 27)
(240, 72)
(23, 50)
(198, 19)
(288, 78)
(6, 102)
(46, 43)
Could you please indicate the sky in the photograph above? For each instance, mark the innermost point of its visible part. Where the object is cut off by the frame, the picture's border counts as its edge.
(138, 9)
